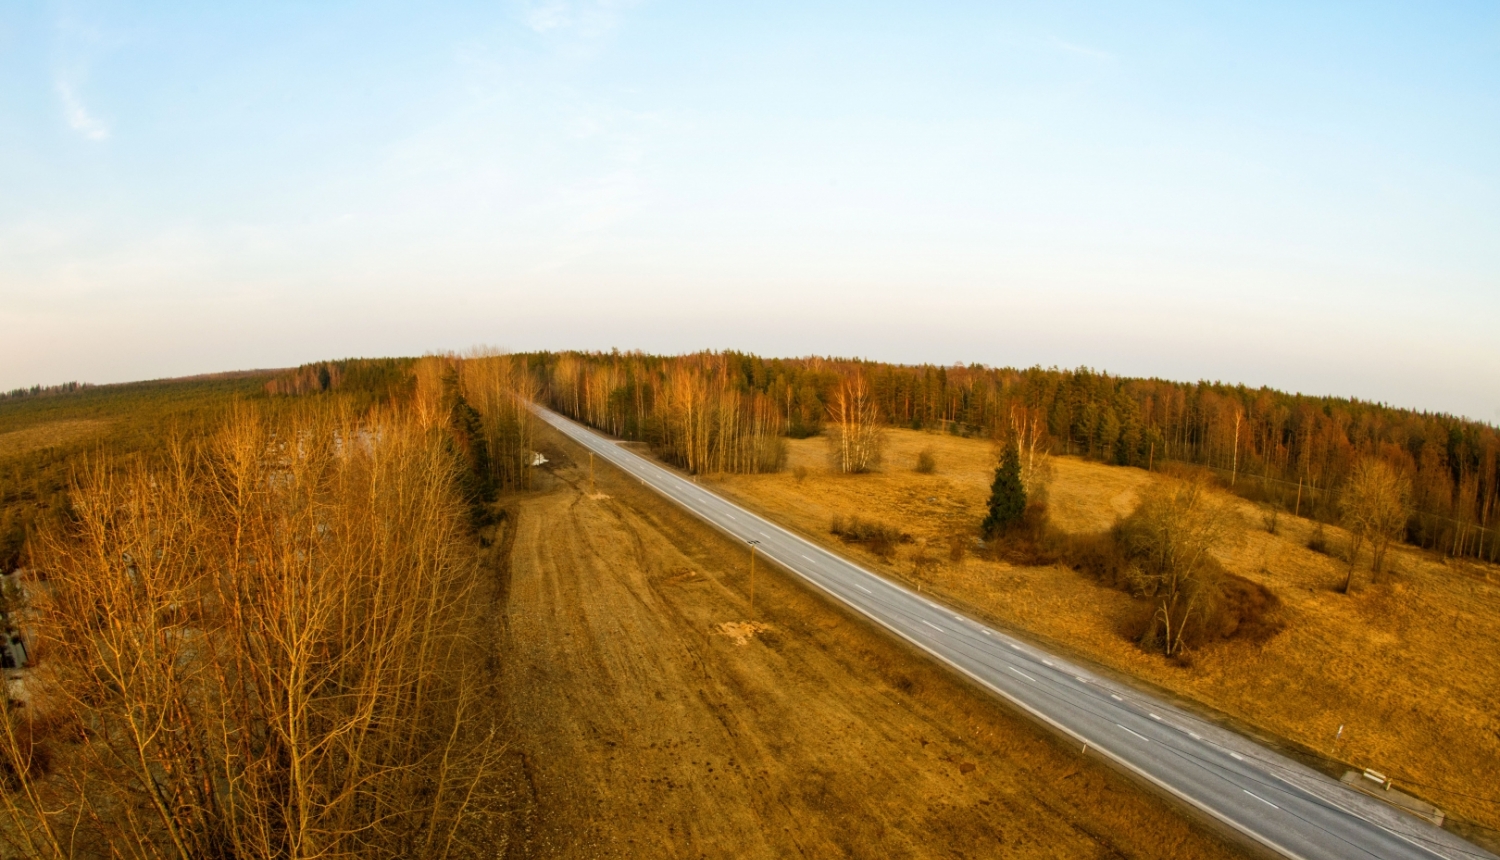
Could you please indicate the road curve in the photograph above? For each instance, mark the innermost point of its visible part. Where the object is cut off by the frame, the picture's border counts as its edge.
(1236, 784)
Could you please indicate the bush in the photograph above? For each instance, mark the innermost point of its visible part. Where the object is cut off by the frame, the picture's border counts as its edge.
(1180, 607)
(879, 538)
(1318, 541)
(926, 463)
(1270, 517)
(958, 544)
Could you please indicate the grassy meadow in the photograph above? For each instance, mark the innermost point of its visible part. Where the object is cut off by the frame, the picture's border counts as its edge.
(1409, 667)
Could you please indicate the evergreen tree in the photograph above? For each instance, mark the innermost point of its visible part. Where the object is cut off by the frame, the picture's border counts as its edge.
(1007, 494)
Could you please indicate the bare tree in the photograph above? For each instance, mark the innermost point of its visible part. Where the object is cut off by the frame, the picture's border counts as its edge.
(1030, 432)
(858, 437)
(1374, 508)
(1170, 540)
(261, 649)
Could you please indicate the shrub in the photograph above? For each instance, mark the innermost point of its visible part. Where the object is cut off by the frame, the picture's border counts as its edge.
(1318, 541)
(1162, 554)
(926, 463)
(1270, 517)
(879, 538)
(958, 544)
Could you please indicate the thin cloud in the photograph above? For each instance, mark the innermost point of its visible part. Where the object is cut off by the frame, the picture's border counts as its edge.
(548, 16)
(1081, 50)
(581, 18)
(78, 116)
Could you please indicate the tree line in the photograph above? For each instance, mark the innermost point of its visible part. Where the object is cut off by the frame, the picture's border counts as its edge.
(720, 411)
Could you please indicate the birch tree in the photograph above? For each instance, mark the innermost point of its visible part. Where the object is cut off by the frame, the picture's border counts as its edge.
(858, 435)
(1170, 540)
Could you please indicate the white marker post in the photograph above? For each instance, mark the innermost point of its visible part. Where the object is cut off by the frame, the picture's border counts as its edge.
(753, 545)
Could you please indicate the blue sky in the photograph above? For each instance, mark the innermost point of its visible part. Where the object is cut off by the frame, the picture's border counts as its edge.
(1299, 195)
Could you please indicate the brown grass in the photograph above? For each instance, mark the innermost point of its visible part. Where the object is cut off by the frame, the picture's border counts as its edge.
(657, 717)
(39, 436)
(1410, 667)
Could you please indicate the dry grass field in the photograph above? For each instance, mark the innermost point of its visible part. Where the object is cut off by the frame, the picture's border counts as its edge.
(1410, 667)
(655, 717)
(46, 435)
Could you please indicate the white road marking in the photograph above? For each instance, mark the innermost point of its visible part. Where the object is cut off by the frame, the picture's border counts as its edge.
(1022, 674)
(1195, 736)
(1116, 698)
(1259, 798)
(1079, 679)
(809, 559)
(1014, 646)
(1142, 737)
(933, 626)
(1236, 756)
(862, 588)
(985, 632)
(1155, 717)
(1049, 663)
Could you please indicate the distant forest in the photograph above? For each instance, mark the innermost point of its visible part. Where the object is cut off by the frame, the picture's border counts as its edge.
(730, 412)
(719, 412)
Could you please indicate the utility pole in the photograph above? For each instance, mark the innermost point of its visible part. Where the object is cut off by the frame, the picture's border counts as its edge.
(753, 545)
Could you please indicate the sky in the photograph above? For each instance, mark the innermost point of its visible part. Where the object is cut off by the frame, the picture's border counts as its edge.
(1300, 195)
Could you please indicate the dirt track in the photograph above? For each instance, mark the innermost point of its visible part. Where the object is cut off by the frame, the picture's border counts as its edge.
(647, 727)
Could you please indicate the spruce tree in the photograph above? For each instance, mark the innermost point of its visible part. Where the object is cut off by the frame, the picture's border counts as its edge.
(1007, 494)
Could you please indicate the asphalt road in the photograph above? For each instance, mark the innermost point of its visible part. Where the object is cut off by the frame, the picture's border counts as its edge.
(1225, 778)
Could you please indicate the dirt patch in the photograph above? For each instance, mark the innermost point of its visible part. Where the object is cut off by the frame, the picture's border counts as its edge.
(643, 729)
(741, 632)
(1410, 666)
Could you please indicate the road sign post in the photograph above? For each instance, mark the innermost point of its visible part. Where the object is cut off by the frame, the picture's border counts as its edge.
(753, 545)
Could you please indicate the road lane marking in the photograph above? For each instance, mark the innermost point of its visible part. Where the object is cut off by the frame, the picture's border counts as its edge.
(1049, 663)
(1154, 717)
(809, 559)
(1259, 798)
(1080, 680)
(933, 626)
(1022, 674)
(1195, 736)
(1142, 737)
(862, 588)
(985, 632)
(1014, 646)
(1116, 698)
(1236, 756)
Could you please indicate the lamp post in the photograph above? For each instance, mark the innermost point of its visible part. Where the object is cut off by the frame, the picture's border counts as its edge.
(753, 545)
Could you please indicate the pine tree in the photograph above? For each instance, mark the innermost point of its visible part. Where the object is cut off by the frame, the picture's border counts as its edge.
(1007, 494)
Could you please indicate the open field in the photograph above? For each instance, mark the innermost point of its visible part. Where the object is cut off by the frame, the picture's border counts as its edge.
(37, 436)
(656, 717)
(1409, 667)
